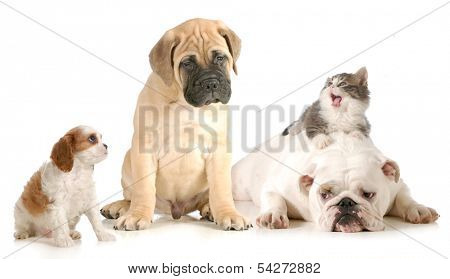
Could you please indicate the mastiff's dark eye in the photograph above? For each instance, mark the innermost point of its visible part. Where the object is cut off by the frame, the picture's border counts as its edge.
(342, 84)
(92, 139)
(369, 195)
(188, 65)
(219, 59)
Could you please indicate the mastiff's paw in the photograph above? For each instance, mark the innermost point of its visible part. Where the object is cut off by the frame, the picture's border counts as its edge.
(419, 214)
(115, 209)
(133, 222)
(232, 221)
(273, 220)
(321, 141)
(206, 213)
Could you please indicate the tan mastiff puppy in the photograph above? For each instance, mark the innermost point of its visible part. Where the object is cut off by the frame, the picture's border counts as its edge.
(179, 161)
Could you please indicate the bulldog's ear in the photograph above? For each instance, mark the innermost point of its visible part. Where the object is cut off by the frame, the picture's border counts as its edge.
(363, 75)
(161, 57)
(62, 153)
(305, 183)
(233, 43)
(391, 170)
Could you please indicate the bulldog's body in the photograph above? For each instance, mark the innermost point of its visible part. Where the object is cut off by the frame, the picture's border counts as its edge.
(348, 186)
(179, 159)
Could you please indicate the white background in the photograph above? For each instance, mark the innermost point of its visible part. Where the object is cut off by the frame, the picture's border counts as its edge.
(48, 85)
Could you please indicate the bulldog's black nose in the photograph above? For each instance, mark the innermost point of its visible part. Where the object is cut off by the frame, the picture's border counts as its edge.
(210, 84)
(346, 203)
(105, 146)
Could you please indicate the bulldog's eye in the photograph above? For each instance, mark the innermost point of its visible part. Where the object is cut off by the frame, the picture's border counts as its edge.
(188, 65)
(342, 84)
(92, 139)
(325, 195)
(369, 195)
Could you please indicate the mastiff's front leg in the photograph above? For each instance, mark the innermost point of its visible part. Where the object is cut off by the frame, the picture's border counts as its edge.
(142, 190)
(218, 171)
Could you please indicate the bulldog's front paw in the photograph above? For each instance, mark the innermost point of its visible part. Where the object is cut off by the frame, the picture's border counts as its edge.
(321, 141)
(232, 221)
(273, 220)
(133, 222)
(65, 241)
(419, 214)
(105, 236)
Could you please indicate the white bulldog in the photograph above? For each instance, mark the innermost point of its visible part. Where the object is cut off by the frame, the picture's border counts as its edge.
(348, 186)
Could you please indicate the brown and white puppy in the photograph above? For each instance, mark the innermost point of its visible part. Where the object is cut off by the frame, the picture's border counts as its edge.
(178, 161)
(63, 189)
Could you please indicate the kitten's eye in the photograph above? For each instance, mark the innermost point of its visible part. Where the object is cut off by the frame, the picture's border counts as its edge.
(368, 195)
(342, 84)
(187, 64)
(325, 195)
(329, 83)
(92, 139)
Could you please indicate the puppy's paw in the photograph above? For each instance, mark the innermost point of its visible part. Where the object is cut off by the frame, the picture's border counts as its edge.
(133, 222)
(115, 209)
(64, 242)
(419, 214)
(273, 220)
(232, 221)
(21, 235)
(75, 235)
(357, 134)
(105, 236)
(321, 141)
(206, 213)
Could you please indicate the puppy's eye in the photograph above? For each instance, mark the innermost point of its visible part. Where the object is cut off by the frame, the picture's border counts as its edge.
(369, 195)
(92, 139)
(325, 195)
(188, 65)
(342, 84)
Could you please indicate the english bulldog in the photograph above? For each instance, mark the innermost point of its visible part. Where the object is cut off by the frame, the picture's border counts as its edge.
(347, 187)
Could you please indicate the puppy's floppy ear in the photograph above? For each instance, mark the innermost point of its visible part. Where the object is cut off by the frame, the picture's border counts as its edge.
(391, 170)
(233, 43)
(363, 75)
(161, 57)
(62, 153)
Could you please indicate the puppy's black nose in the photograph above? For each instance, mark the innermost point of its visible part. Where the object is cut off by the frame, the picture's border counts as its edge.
(106, 147)
(347, 203)
(210, 84)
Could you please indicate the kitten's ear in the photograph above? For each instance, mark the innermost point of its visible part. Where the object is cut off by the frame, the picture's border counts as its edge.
(62, 153)
(362, 75)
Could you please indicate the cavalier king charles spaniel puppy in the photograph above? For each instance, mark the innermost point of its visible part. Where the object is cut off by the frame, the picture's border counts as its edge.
(63, 189)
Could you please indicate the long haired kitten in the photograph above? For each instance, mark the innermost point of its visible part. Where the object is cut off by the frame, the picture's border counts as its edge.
(341, 107)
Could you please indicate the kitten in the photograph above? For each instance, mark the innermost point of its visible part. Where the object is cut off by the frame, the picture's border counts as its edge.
(341, 107)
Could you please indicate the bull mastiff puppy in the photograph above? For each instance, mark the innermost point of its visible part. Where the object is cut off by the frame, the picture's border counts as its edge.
(347, 187)
(178, 161)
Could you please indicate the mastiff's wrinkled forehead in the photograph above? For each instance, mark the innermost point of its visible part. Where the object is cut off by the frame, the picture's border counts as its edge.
(198, 55)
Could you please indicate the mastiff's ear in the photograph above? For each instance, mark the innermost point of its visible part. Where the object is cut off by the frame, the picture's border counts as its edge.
(391, 170)
(233, 43)
(161, 57)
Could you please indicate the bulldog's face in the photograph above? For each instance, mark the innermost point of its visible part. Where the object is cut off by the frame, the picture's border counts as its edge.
(198, 56)
(351, 194)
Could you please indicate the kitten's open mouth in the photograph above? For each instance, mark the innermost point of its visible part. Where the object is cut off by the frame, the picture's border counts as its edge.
(336, 100)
